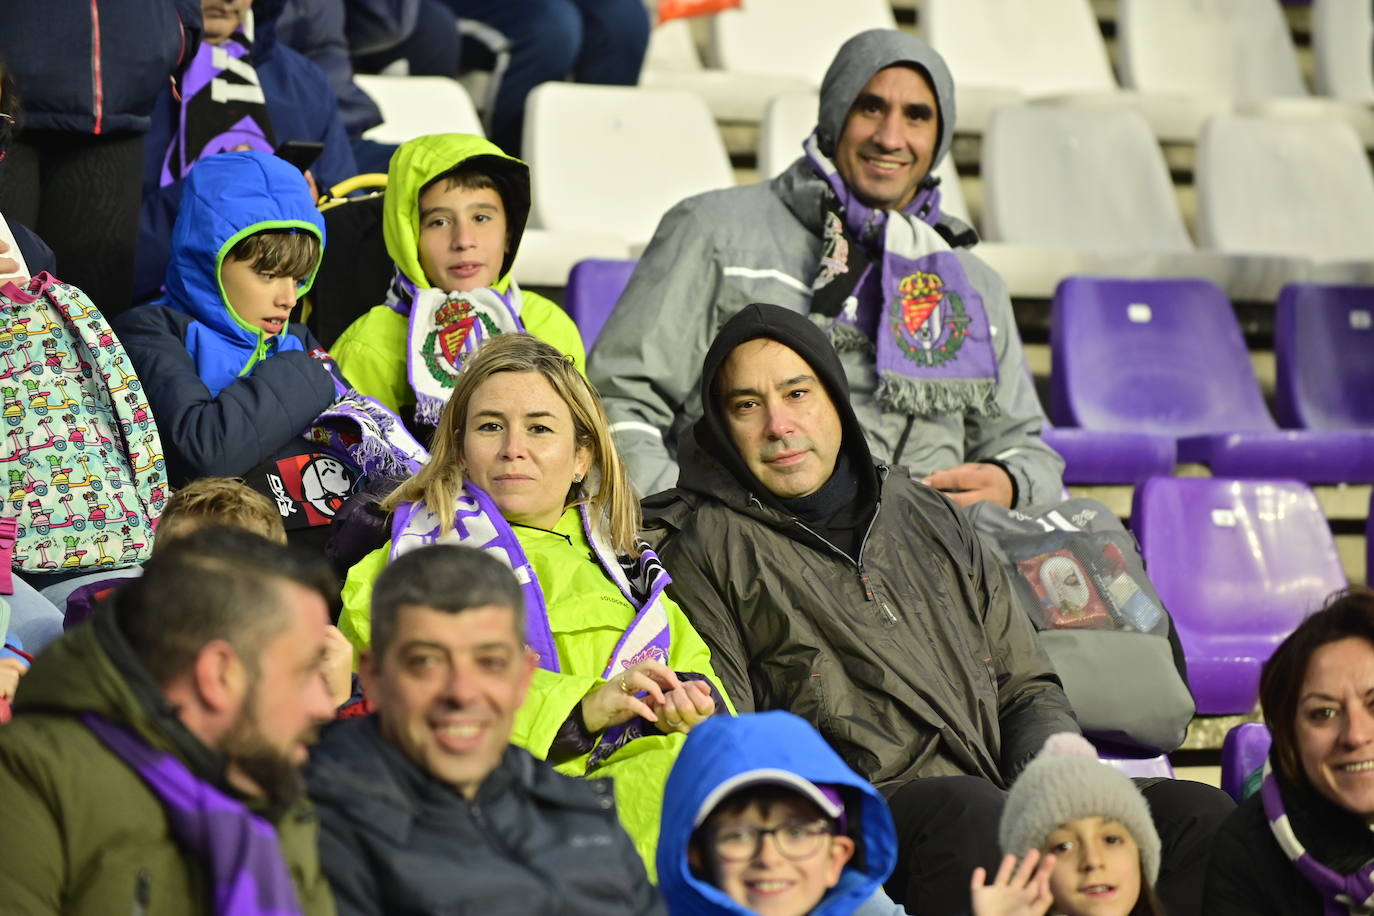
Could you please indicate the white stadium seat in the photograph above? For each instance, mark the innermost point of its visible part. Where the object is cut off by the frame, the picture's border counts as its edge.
(796, 38)
(1283, 188)
(1050, 51)
(413, 106)
(613, 159)
(672, 62)
(1240, 51)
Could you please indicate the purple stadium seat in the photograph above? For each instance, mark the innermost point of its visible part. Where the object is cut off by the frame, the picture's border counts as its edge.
(1238, 563)
(1242, 752)
(1094, 456)
(1166, 356)
(593, 288)
(1324, 350)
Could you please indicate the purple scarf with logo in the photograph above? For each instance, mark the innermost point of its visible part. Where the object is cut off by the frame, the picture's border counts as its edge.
(362, 430)
(222, 107)
(247, 873)
(445, 329)
(478, 523)
(889, 282)
(1341, 894)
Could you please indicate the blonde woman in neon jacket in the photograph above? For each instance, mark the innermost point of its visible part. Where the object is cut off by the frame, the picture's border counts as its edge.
(524, 467)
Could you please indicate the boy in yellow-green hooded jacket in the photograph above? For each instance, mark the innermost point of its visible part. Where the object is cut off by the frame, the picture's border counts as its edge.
(454, 213)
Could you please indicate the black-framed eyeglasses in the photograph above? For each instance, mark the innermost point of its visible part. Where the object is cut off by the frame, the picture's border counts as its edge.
(795, 840)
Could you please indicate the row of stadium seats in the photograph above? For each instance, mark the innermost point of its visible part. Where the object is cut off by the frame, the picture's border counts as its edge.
(1066, 191)
(1149, 372)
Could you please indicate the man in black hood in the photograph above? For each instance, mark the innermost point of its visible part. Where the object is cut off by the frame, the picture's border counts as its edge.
(862, 600)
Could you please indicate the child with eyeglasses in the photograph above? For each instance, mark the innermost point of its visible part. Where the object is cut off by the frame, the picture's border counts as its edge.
(761, 816)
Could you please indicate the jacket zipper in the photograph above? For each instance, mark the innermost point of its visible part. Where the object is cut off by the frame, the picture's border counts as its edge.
(865, 581)
(97, 86)
(143, 892)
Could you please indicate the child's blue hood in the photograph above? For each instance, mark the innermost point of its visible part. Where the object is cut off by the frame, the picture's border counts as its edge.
(723, 747)
(224, 199)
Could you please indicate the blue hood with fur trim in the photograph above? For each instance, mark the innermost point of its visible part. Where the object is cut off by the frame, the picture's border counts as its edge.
(722, 748)
(225, 199)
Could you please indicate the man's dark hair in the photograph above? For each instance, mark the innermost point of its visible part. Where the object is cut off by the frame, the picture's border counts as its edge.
(442, 577)
(216, 583)
(1348, 613)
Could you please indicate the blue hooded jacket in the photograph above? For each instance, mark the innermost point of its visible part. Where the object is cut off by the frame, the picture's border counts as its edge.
(724, 747)
(226, 199)
(301, 105)
(221, 404)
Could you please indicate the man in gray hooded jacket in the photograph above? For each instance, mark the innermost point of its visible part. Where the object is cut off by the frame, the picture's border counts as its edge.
(817, 239)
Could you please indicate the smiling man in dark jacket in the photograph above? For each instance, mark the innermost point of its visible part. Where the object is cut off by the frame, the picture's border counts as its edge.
(863, 601)
(426, 807)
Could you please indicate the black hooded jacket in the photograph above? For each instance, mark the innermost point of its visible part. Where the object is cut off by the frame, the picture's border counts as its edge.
(910, 656)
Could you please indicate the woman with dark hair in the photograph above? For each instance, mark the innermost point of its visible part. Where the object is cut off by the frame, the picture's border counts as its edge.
(1303, 844)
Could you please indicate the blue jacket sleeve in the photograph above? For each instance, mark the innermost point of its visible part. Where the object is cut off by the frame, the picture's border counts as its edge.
(246, 424)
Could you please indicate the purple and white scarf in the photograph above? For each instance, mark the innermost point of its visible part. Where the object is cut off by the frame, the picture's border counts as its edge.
(478, 523)
(222, 106)
(445, 329)
(248, 876)
(927, 322)
(1342, 895)
(364, 431)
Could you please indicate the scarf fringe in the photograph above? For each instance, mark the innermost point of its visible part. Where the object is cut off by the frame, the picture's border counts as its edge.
(846, 338)
(919, 397)
(427, 409)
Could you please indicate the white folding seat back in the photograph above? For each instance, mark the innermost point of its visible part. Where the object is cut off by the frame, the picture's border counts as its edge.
(791, 37)
(613, 159)
(1236, 49)
(1050, 46)
(413, 106)
(1343, 49)
(1284, 187)
(1084, 178)
(672, 48)
(789, 119)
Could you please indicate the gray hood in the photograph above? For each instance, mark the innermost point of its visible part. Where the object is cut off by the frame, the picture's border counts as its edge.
(864, 55)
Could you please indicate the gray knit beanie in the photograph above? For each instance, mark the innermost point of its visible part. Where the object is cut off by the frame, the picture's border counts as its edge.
(1066, 782)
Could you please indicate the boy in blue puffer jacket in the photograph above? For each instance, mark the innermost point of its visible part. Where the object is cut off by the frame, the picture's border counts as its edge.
(233, 384)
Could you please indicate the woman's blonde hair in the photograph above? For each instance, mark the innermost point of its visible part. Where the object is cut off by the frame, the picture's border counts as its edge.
(438, 483)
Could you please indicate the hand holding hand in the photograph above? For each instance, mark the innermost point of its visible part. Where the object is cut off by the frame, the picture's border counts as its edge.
(967, 484)
(618, 699)
(1018, 890)
(685, 708)
(11, 670)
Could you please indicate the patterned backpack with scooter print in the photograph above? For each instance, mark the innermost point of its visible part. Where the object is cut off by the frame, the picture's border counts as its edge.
(81, 454)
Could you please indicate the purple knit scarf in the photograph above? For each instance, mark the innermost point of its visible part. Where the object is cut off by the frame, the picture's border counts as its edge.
(1340, 893)
(240, 849)
(361, 430)
(918, 310)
